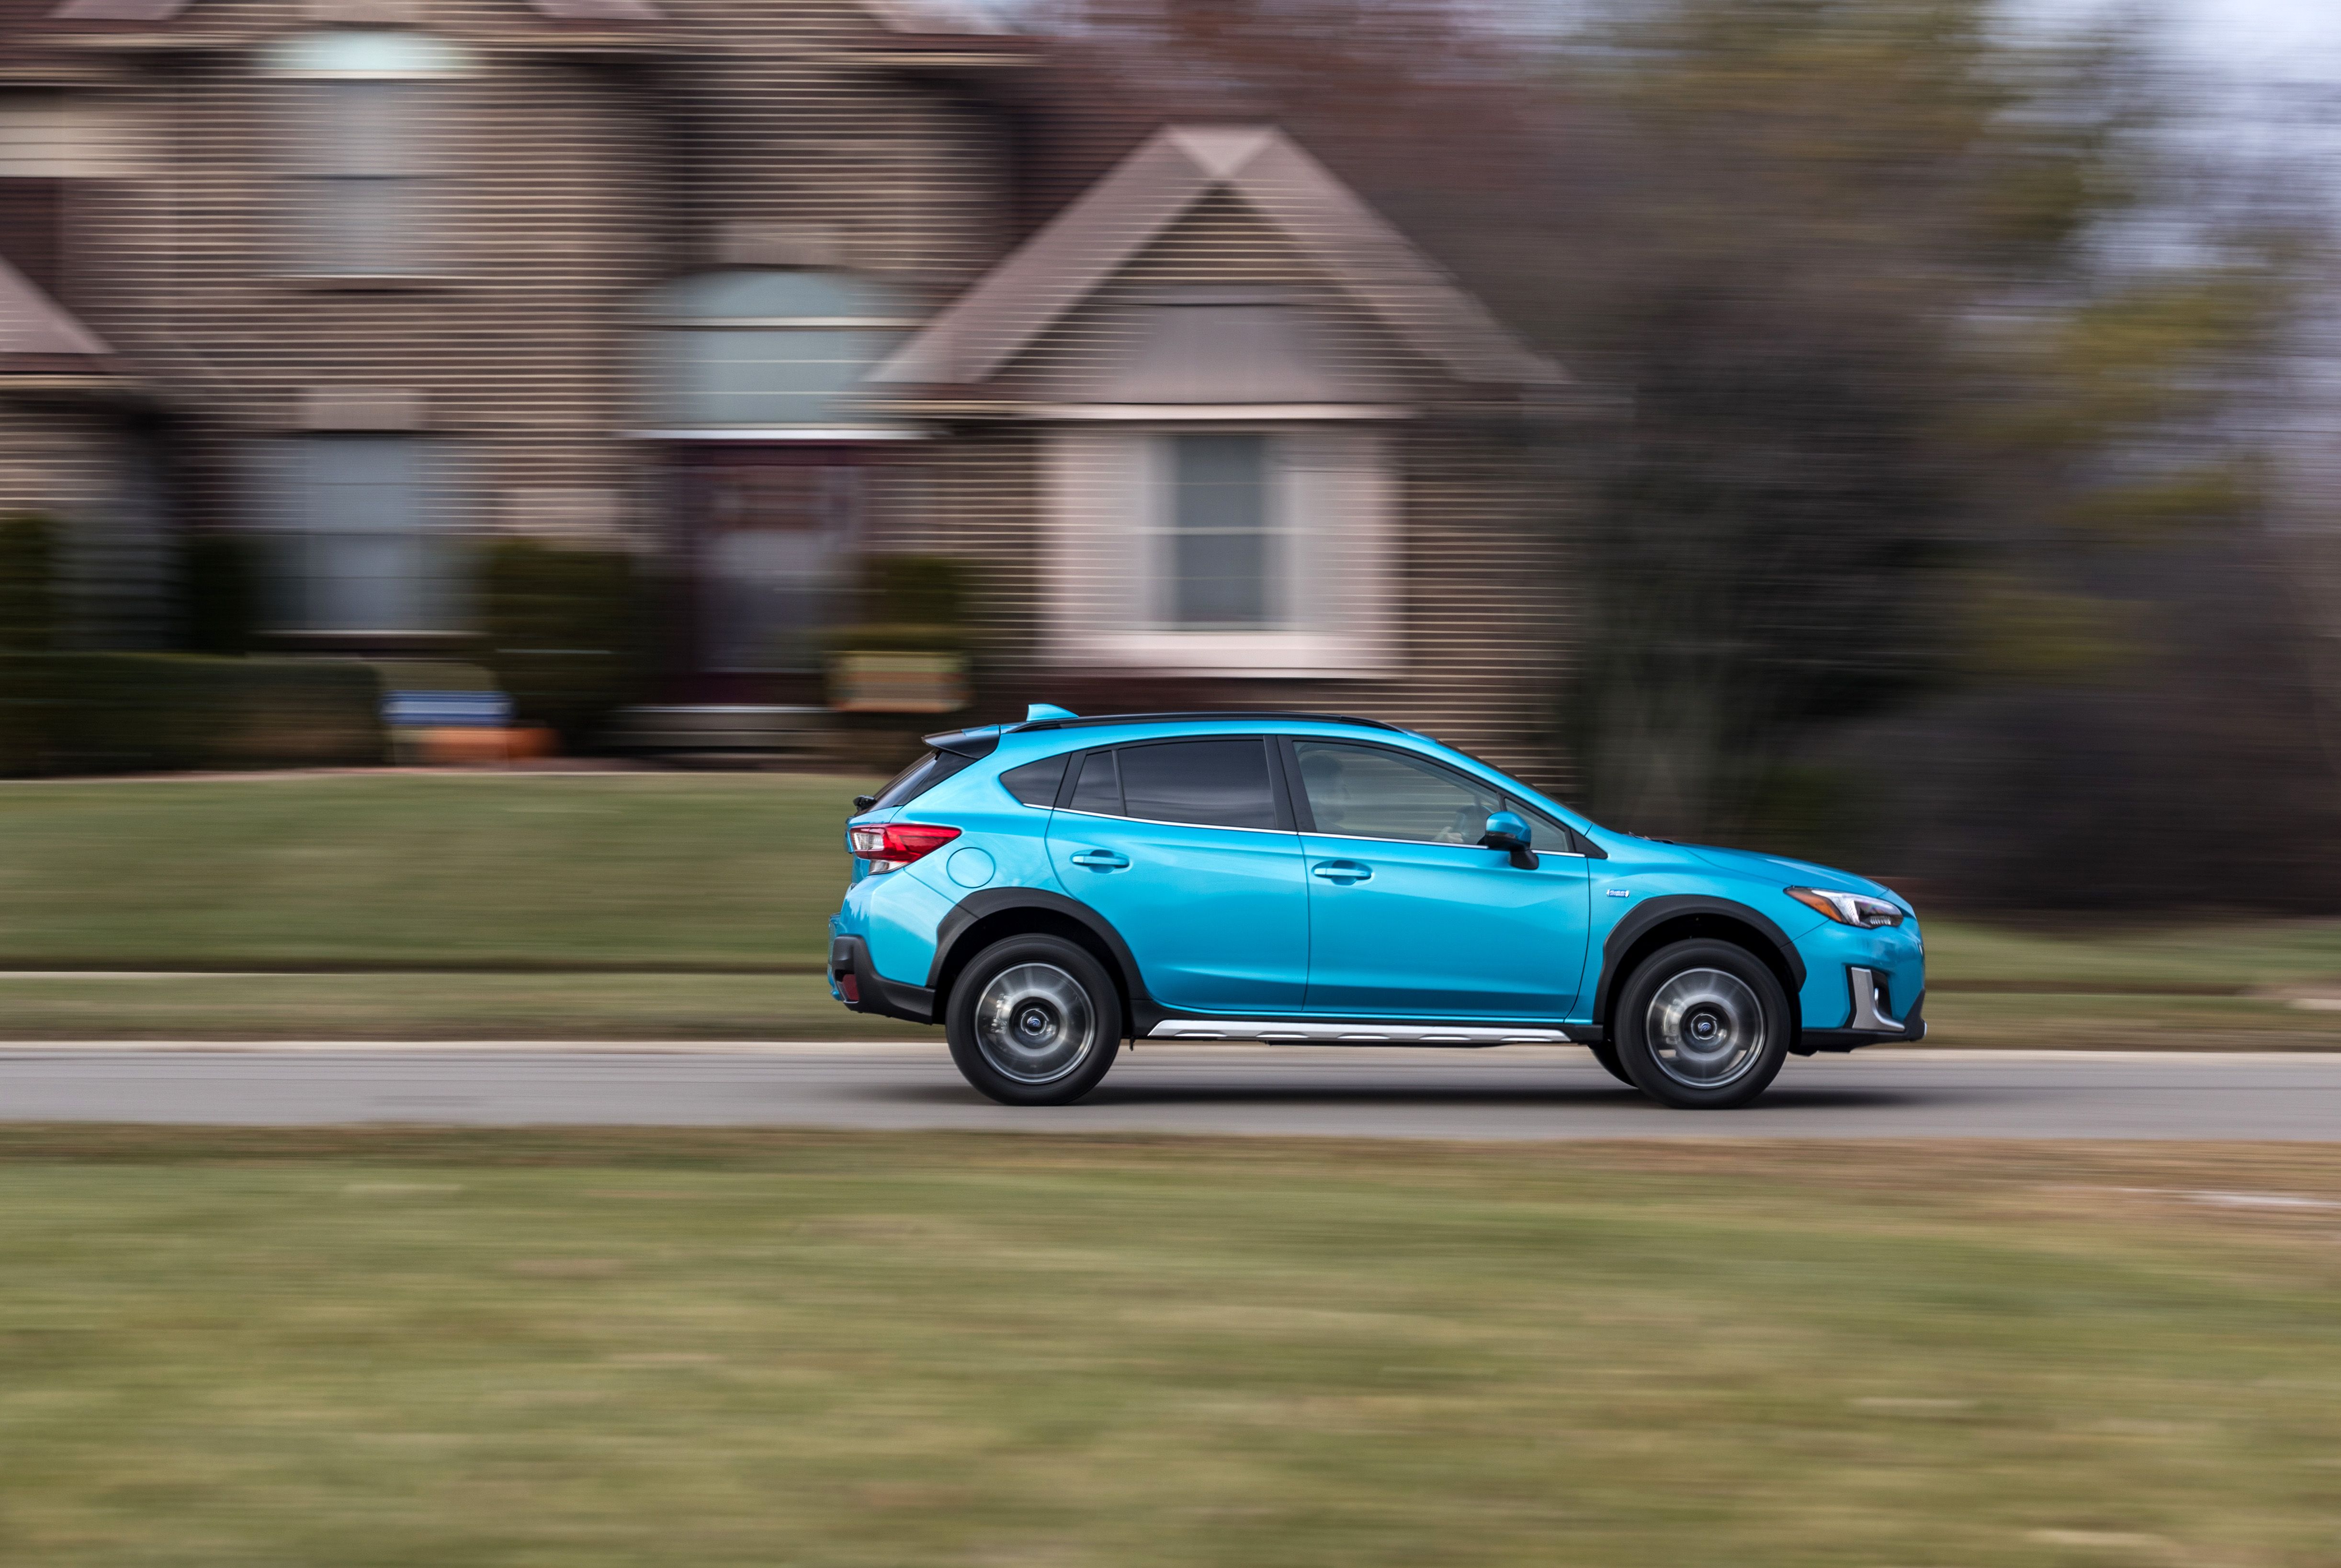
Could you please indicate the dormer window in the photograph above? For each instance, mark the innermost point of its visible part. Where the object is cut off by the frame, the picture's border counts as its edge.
(362, 103)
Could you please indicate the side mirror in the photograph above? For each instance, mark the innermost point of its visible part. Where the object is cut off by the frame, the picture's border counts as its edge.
(1509, 830)
(863, 803)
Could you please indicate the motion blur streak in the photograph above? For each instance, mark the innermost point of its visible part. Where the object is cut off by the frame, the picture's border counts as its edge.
(1882, 429)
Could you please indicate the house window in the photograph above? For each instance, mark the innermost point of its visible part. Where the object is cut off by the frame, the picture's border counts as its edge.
(1197, 549)
(361, 525)
(1224, 567)
(363, 105)
(759, 355)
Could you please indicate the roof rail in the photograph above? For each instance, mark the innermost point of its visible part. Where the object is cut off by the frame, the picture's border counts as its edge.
(1092, 721)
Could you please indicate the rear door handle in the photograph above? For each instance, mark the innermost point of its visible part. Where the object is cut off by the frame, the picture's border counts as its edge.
(1106, 859)
(1343, 871)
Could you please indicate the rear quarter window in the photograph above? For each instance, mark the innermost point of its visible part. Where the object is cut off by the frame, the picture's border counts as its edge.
(1036, 783)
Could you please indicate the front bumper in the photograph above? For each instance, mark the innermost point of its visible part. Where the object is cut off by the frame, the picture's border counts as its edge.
(1870, 1021)
(855, 982)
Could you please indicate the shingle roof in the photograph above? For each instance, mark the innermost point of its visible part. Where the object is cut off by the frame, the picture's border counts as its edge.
(167, 10)
(917, 18)
(38, 333)
(971, 339)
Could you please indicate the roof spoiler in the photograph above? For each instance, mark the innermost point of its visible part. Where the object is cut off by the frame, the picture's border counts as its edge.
(973, 744)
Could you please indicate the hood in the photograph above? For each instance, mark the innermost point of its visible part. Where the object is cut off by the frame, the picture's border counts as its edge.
(1791, 873)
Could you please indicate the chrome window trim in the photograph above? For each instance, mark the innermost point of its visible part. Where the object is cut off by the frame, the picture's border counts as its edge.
(1166, 822)
(1426, 843)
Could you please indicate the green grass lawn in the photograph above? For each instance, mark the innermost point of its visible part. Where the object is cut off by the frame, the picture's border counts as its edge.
(470, 868)
(2083, 953)
(434, 1008)
(377, 1350)
(2084, 1021)
(478, 870)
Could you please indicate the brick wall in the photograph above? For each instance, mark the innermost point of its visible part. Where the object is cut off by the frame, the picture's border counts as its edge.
(572, 173)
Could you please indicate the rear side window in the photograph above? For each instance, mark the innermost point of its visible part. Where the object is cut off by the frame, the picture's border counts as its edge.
(1212, 783)
(1035, 783)
(918, 778)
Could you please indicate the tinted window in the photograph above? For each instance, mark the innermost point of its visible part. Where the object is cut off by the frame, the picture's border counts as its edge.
(1215, 783)
(1364, 792)
(1099, 788)
(1036, 783)
(918, 778)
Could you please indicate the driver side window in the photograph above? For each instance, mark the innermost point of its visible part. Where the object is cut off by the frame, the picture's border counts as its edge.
(1365, 792)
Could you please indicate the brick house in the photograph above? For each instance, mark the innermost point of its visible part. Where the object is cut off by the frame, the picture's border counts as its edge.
(748, 287)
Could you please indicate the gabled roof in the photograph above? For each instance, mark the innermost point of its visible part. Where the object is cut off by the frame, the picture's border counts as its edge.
(950, 18)
(169, 10)
(36, 334)
(988, 326)
(911, 17)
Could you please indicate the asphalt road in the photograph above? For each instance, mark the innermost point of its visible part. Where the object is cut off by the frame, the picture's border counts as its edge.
(1507, 1092)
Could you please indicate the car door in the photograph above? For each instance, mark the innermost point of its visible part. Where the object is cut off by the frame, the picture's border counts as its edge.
(1187, 847)
(1407, 916)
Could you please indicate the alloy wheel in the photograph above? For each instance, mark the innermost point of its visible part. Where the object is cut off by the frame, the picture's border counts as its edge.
(1033, 1023)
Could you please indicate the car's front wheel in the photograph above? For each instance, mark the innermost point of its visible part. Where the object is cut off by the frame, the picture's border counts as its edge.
(1034, 1021)
(1702, 1026)
(1606, 1053)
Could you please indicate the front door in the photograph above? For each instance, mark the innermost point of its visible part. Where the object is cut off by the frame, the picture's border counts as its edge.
(1408, 917)
(1184, 846)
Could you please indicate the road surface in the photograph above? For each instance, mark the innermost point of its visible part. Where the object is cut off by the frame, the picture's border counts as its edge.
(1507, 1092)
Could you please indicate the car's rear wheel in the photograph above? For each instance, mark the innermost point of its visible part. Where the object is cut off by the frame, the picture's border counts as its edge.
(1702, 1026)
(1034, 1021)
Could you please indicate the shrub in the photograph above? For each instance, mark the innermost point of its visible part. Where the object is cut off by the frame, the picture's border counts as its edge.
(565, 633)
(221, 588)
(29, 626)
(139, 712)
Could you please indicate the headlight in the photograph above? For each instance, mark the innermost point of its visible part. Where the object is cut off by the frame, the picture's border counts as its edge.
(1848, 908)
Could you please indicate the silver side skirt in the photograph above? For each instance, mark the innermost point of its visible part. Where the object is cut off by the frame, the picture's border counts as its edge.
(1866, 1014)
(1351, 1032)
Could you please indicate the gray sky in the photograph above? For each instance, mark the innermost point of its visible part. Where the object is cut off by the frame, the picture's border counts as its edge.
(2287, 40)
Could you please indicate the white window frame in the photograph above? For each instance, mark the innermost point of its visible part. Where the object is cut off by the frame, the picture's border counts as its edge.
(1107, 538)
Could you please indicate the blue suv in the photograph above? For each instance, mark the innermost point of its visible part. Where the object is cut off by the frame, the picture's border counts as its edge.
(1048, 890)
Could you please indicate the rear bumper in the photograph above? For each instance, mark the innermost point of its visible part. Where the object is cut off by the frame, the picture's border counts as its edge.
(854, 982)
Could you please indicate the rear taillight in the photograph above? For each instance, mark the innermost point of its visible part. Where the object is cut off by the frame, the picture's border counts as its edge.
(897, 844)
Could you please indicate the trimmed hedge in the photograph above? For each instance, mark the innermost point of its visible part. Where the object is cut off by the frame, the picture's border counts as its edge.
(141, 712)
(566, 634)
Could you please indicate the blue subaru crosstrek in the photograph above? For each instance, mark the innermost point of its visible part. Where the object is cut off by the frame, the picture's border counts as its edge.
(1046, 890)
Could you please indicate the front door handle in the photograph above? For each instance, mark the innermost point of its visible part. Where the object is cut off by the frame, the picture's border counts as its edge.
(1104, 859)
(1343, 871)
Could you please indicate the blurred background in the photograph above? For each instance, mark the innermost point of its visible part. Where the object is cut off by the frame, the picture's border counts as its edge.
(484, 483)
(1897, 432)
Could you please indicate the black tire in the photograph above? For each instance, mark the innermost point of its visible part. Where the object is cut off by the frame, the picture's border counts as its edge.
(1606, 1053)
(1033, 1021)
(1701, 1025)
